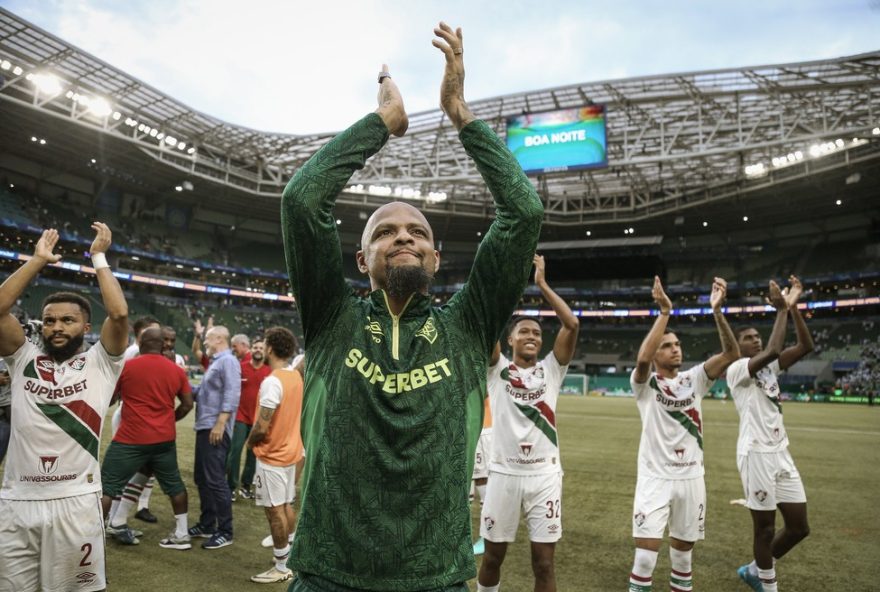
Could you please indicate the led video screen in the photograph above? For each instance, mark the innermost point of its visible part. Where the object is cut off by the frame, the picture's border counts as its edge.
(554, 141)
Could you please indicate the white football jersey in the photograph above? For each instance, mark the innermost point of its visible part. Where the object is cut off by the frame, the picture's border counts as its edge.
(57, 414)
(760, 411)
(671, 446)
(523, 402)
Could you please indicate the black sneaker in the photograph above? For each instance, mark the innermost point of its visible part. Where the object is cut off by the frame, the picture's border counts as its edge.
(200, 532)
(145, 515)
(246, 493)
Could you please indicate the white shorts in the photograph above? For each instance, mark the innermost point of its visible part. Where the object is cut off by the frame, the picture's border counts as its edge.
(770, 478)
(274, 486)
(52, 545)
(677, 503)
(481, 458)
(538, 496)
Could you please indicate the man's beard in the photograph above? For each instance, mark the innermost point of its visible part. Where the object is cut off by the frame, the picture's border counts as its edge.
(63, 352)
(257, 357)
(401, 281)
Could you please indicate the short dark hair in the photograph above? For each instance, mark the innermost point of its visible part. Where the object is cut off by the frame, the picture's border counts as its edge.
(742, 329)
(72, 298)
(519, 319)
(282, 341)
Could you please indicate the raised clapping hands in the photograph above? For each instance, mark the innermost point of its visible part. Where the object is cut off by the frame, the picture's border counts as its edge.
(795, 290)
(45, 246)
(103, 237)
(719, 293)
(538, 262)
(660, 296)
(452, 102)
(776, 298)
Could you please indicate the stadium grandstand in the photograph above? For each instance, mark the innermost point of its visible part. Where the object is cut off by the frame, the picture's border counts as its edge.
(747, 173)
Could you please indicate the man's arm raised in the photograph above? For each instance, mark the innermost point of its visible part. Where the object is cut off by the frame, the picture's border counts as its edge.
(774, 345)
(114, 332)
(717, 364)
(652, 340)
(503, 261)
(566, 340)
(804, 343)
(311, 242)
(11, 333)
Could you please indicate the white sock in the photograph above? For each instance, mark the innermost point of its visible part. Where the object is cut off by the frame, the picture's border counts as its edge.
(114, 505)
(471, 492)
(281, 556)
(642, 571)
(291, 536)
(681, 577)
(768, 579)
(753, 568)
(144, 501)
(482, 588)
(481, 489)
(182, 525)
(129, 498)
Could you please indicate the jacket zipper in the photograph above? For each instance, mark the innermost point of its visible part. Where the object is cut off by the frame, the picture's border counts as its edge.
(395, 325)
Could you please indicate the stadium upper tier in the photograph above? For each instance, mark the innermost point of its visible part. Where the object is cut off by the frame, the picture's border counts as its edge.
(675, 141)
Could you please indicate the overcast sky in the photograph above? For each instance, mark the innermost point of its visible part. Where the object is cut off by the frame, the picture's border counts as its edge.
(295, 66)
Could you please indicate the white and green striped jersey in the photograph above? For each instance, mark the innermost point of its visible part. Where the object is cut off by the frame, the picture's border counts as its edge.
(523, 402)
(58, 410)
(671, 445)
(760, 411)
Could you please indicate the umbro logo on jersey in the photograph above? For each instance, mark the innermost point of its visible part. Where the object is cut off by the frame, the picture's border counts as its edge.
(48, 464)
(639, 518)
(760, 495)
(489, 522)
(85, 577)
(375, 330)
(428, 331)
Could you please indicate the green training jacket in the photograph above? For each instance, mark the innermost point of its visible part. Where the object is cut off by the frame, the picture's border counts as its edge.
(392, 406)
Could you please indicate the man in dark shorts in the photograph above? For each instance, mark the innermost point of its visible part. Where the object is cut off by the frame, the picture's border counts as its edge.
(394, 387)
(148, 386)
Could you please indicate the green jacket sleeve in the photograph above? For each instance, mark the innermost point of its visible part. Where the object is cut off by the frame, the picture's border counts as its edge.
(311, 243)
(504, 258)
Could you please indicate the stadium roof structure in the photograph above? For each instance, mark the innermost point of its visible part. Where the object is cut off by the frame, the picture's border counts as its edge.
(675, 141)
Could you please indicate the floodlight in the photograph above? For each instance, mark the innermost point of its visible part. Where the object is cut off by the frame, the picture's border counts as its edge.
(5, 65)
(47, 84)
(99, 107)
(17, 71)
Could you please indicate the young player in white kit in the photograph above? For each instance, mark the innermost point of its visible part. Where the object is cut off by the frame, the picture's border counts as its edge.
(670, 490)
(51, 528)
(525, 471)
(770, 479)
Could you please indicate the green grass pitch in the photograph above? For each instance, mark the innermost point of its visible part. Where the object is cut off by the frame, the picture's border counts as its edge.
(836, 448)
